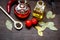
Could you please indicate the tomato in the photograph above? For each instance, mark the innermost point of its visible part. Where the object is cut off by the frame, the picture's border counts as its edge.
(28, 23)
(34, 21)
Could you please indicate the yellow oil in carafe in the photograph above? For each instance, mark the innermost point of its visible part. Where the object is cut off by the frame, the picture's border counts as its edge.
(38, 15)
(38, 11)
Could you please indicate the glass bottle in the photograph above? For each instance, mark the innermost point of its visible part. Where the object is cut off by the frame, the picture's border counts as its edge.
(38, 11)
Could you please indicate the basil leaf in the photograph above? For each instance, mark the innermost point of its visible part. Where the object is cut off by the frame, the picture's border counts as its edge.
(42, 23)
(9, 25)
(53, 16)
(51, 26)
(49, 14)
(40, 33)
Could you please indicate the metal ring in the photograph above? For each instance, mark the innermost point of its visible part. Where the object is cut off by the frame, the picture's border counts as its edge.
(16, 25)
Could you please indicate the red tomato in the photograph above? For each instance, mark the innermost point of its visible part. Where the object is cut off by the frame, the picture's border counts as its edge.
(28, 23)
(34, 21)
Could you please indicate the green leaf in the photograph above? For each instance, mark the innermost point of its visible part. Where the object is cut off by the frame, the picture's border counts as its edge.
(51, 26)
(40, 33)
(42, 23)
(53, 16)
(50, 15)
(9, 25)
(38, 28)
(43, 27)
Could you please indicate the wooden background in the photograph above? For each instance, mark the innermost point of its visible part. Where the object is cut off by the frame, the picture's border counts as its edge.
(30, 34)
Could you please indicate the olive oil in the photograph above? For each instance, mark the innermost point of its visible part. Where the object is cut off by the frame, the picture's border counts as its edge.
(38, 11)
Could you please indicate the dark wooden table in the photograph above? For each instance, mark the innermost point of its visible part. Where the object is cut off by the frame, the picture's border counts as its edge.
(30, 34)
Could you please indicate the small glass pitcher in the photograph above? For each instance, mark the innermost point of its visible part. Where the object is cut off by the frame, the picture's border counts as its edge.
(38, 11)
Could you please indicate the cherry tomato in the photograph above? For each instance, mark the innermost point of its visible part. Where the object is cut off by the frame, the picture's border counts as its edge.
(28, 23)
(34, 21)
